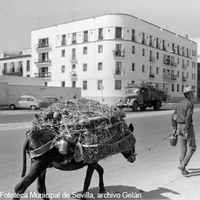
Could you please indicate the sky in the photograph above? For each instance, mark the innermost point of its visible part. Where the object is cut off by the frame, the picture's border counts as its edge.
(19, 17)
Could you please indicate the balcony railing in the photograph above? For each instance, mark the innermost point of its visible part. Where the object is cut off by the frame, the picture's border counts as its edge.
(151, 75)
(152, 59)
(119, 72)
(43, 75)
(184, 66)
(43, 46)
(173, 77)
(184, 79)
(43, 62)
(18, 73)
(119, 53)
(73, 74)
(73, 59)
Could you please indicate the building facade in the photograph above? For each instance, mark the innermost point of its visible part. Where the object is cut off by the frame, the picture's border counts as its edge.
(103, 54)
(16, 63)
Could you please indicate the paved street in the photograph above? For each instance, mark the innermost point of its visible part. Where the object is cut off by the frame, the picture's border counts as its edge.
(154, 175)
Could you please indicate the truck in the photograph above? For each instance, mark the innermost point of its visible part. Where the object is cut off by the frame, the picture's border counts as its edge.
(143, 95)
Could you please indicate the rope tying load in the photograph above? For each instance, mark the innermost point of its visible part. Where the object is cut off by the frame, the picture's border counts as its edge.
(97, 130)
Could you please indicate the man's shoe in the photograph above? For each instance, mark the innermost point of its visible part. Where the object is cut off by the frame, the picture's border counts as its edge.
(184, 172)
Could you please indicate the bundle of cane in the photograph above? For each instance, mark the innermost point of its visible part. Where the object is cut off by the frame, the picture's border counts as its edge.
(89, 121)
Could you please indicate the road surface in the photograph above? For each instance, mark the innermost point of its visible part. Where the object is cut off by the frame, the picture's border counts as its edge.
(154, 175)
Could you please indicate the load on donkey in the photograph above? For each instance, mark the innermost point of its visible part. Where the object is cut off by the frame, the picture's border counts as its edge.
(72, 134)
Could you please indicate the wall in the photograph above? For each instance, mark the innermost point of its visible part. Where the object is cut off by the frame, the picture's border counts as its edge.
(14, 91)
(14, 80)
(4, 93)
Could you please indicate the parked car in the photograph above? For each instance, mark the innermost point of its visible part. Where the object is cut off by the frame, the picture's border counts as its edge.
(47, 101)
(26, 102)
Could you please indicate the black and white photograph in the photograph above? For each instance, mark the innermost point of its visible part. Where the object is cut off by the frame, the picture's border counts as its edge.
(99, 99)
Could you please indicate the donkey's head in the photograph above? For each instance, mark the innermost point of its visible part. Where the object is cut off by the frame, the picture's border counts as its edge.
(130, 154)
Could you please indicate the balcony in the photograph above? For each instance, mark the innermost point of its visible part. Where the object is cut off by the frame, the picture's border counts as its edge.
(43, 75)
(151, 75)
(73, 75)
(184, 79)
(173, 77)
(173, 63)
(43, 63)
(43, 47)
(73, 59)
(118, 72)
(184, 66)
(152, 59)
(18, 73)
(119, 53)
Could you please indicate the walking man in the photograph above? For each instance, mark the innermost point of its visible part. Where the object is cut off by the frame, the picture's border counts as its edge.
(182, 124)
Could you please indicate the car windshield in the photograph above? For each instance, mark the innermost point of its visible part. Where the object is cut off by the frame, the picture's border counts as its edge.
(134, 91)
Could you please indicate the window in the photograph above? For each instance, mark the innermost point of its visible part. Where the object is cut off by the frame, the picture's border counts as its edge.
(28, 65)
(84, 85)
(99, 84)
(100, 48)
(63, 68)
(43, 42)
(177, 74)
(118, 84)
(84, 50)
(63, 53)
(118, 32)
(133, 66)
(143, 68)
(85, 38)
(157, 56)
(143, 52)
(73, 54)
(177, 87)
(172, 87)
(63, 83)
(100, 66)
(133, 35)
(133, 49)
(100, 33)
(84, 67)
(157, 70)
(73, 84)
(73, 66)
(118, 68)
(63, 40)
(74, 38)
(4, 68)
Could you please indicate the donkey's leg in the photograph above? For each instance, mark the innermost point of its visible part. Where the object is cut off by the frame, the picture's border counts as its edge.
(89, 173)
(41, 187)
(36, 168)
(100, 171)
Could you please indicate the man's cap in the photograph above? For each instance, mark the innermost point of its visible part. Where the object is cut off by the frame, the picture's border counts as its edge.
(187, 90)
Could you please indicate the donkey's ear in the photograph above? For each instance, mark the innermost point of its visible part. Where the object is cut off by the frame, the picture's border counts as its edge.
(131, 127)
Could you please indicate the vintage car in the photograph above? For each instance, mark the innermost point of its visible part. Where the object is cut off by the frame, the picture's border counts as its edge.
(47, 101)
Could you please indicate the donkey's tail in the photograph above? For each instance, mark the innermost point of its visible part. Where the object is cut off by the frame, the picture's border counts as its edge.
(24, 157)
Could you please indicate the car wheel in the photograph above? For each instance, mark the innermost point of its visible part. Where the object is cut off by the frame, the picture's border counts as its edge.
(33, 108)
(135, 106)
(12, 107)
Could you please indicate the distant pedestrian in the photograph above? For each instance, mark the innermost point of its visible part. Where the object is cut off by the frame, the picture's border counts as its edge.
(74, 95)
(182, 122)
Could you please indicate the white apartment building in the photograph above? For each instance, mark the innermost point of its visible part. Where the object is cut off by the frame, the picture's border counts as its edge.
(16, 63)
(103, 54)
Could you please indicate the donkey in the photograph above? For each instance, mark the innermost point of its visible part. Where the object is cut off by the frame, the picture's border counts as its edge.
(52, 158)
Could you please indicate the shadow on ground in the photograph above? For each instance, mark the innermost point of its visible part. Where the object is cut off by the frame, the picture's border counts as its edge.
(128, 192)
